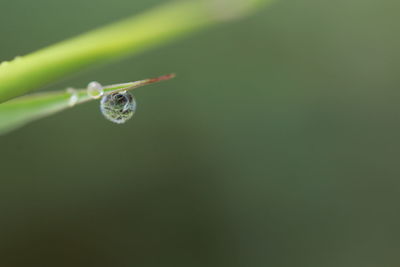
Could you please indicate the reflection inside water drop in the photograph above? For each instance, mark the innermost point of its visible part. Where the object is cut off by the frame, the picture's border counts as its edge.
(95, 90)
(118, 107)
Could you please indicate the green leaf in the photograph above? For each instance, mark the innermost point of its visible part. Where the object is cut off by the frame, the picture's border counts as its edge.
(20, 111)
(130, 36)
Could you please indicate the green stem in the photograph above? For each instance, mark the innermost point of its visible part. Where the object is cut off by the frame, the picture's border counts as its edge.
(22, 110)
(129, 36)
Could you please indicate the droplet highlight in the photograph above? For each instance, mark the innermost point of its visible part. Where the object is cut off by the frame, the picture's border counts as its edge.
(73, 99)
(118, 107)
(95, 90)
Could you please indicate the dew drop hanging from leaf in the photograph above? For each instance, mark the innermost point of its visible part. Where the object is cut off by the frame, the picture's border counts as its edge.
(40, 105)
(118, 107)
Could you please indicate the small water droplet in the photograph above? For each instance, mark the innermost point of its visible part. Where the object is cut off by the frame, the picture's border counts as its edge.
(95, 90)
(73, 98)
(118, 107)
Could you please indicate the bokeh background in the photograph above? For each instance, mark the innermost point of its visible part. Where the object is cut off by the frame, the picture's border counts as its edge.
(277, 144)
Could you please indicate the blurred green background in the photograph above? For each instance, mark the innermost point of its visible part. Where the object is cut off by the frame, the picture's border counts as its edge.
(276, 145)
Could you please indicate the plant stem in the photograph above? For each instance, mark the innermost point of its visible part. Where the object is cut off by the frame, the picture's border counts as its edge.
(133, 35)
(20, 111)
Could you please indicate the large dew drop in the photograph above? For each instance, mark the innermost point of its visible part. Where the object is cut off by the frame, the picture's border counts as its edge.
(118, 107)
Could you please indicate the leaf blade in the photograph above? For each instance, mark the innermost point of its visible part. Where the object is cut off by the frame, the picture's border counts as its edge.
(23, 110)
(133, 35)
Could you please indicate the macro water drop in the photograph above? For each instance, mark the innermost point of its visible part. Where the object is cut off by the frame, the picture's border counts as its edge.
(95, 90)
(118, 107)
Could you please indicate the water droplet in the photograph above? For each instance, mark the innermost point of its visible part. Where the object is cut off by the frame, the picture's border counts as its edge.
(118, 107)
(73, 98)
(95, 90)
